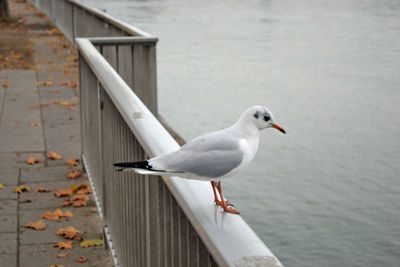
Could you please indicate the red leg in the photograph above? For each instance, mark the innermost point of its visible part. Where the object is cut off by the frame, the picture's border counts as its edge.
(216, 200)
(224, 203)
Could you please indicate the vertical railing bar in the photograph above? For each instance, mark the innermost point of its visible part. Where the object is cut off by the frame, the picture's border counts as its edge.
(117, 57)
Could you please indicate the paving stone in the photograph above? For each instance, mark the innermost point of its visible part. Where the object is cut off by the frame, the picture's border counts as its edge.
(47, 200)
(90, 226)
(8, 206)
(8, 260)
(8, 244)
(8, 223)
(49, 174)
(63, 132)
(56, 115)
(9, 176)
(7, 192)
(46, 255)
(18, 160)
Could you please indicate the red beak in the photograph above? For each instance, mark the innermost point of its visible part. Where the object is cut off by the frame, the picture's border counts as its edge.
(276, 126)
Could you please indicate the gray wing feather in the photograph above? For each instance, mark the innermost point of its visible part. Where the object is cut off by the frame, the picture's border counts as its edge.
(212, 155)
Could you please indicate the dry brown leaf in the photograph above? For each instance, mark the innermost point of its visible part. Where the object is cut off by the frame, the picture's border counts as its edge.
(69, 233)
(39, 225)
(2, 186)
(74, 174)
(62, 255)
(63, 193)
(54, 156)
(85, 214)
(5, 85)
(42, 190)
(66, 203)
(64, 245)
(32, 161)
(79, 203)
(34, 124)
(91, 243)
(50, 216)
(72, 162)
(68, 214)
(45, 83)
(71, 108)
(94, 210)
(21, 189)
(68, 118)
(28, 200)
(81, 259)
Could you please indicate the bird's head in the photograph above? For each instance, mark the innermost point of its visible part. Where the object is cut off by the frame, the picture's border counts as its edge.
(261, 117)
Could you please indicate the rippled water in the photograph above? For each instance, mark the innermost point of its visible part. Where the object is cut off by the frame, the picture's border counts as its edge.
(328, 192)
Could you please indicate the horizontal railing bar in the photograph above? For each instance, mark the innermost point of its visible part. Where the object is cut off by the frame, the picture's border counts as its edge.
(227, 236)
(130, 30)
(120, 40)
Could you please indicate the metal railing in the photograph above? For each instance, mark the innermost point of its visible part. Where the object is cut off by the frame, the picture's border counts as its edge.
(148, 220)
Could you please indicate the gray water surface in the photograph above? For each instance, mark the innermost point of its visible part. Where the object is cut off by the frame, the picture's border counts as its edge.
(328, 192)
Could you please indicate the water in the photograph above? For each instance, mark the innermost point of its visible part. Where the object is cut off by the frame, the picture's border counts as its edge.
(328, 192)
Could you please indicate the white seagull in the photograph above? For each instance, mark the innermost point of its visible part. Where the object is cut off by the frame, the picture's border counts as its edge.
(213, 156)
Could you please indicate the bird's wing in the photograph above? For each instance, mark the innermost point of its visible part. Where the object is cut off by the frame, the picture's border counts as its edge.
(212, 155)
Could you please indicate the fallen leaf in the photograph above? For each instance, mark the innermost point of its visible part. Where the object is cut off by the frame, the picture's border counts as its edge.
(66, 203)
(69, 233)
(72, 162)
(28, 200)
(74, 174)
(56, 265)
(5, 85)
(79, 203)
(34, 124)
(68, 118)
(50, 216)
(59, 213)
(81, 187)
(22, 188)
(91, 243)
(54, 156)
(2, 186)
(45, 83)
(63, 192)
(65, 103)
(94, 210)
(68, 214)
(64, 245)
(32, 161)
(71, 108)
(62, 255)
(54, 91)
(39, 225)
(42, 190)
(81, 259)
(80, 197)
(85, 214)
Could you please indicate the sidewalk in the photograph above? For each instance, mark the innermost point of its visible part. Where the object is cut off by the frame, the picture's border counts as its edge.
(39, 114)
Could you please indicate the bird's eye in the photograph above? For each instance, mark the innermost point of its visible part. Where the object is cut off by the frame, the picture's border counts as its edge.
(256, 115)
(267, 118)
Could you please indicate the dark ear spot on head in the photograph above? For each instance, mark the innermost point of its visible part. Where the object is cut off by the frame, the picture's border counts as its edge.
(256, 115)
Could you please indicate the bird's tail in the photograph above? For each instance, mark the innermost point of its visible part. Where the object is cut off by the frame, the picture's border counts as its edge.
(141, 167)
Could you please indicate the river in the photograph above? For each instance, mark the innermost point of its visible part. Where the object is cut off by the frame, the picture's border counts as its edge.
(328, 192)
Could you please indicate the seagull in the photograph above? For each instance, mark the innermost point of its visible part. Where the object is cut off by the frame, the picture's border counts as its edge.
(213, 156)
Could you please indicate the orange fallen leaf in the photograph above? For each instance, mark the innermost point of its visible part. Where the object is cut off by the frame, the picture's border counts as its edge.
(69, 233)
(63, 192)
(21, 189)
(74, 174)
(39, 225)
(81, 259)
(34, 124)
(72, 162)
(85, 214)
(79, 203)
(68, 214)
(45, 83)
(28, 200)
(64, 245)
(50, 216)
(62, 255)
(66, 203)
(32, 161)
(42, 190)
(59, 213)
(5, 85)
(2, 186)
(71, 108)
(76, 188)
(54, 156)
